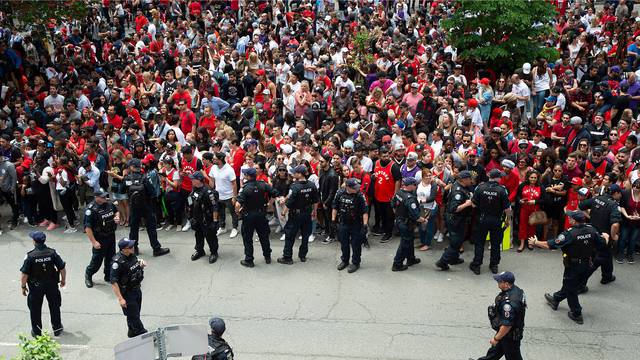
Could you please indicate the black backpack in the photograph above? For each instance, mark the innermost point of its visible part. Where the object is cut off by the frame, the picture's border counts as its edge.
(137, 192)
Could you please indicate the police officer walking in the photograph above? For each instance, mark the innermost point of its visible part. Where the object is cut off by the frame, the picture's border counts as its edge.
(140, 191)
(251, 204)
(100, 227)
(352, 214)
(219, 349)
(407, 214)
(458, 210)
(301, 205)
(507, 319)
(203, 211)
(41, 270)
(126, 276)
(606, 218)
(578, 244)
(491, 201)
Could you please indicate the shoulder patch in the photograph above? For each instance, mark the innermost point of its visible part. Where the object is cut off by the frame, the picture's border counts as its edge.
(115, 265)
(413, 206)
(507, 307)
(560, 238)
(458, 197)
(87, 212)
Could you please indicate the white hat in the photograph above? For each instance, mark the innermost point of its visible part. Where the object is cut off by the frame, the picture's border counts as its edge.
(508, 163)
(506, 113)
(399, 146)
(412, 155)
(526, 68)
(286, 148)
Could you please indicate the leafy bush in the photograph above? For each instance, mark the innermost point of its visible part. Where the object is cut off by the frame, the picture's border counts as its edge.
(42, 347)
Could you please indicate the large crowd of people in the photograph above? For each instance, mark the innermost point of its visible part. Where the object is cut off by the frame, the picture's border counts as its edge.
(216, 87)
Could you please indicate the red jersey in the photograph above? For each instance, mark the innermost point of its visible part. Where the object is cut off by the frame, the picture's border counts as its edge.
(385, 186)
(187, 168)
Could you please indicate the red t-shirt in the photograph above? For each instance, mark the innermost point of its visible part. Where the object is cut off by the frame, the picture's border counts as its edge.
(187, 121)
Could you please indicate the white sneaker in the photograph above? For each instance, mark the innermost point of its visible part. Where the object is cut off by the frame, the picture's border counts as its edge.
(234, 233)
(70, 230)
(178, 228)
(25, 221)
(312, 238)
(168, 228)
(299, 237)
(282, 237)
(273, 221)
(278, 229)
(187, 226)
(221, 231)
(440, 238)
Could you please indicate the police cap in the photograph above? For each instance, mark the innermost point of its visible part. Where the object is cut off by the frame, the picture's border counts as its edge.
(125, 243)
(353, 183)
(38, 236)
(134, 163)
(464, 174)
(197, 176)
(249, 172)
(505, 276)
(577, 215)
(217, 326)
(495, 173)
(100, 193)
(409, 181)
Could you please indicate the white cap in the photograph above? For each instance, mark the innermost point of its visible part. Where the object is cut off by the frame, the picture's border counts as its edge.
(399, 146)
(506, 113)
(286, 148)
(526, 68)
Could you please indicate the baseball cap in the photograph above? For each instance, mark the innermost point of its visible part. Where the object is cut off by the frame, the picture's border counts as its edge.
(577, 215)
(217, 326)
(197, 176)
(495, 173)
(415, 85)
(576, 181)
(249, 172)
(409, 181)
(399, 146)
(412, 156)
(464, 174)
(506, 114)
(508, 163)
(134, 163)
(576, 120)
(386, 138)
(353, 183)
(614, 188)
(100, 193)
(125, 243)
(38, 236)
(583, 191)
(300, 169)
(505, 276)
(526, 68)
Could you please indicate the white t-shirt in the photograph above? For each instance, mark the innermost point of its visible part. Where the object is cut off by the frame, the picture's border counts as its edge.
(224, 179)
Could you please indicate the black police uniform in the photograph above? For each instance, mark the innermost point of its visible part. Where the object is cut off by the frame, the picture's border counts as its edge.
(604, 213)
(456, 223)
(578, 244)
(302, 196)
(101, 220)
(253, 198)
(407, 211)
(203, 203)
(219, 349)
(491, 200)
(509, 310)
(140, 191)
(127, 272)
(43, 266)
(351, 230)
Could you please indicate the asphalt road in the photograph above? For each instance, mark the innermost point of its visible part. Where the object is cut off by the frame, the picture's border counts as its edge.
(312, 311)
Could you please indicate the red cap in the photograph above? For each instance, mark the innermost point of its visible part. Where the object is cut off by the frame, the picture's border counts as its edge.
(147, 159)
(472, 103)
(576, 181)
(472, 152)
(484, 81)
(260, 72)
(386, 138)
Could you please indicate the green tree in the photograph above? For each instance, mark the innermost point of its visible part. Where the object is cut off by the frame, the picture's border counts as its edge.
(501, 31)
(38, 12)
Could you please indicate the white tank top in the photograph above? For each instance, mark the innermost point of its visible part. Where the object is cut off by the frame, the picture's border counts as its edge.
(540, 83)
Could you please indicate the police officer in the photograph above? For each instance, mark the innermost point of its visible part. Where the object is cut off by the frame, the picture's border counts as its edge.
(507, 319)
(126, 276)
(41, 270)
(140, 191)
(251, 204)
(203, 211)
(100, 227)
(578, 244)
(606, 218)
(352, 214)
(491, 201)
(457, 211)
(301, 205)
(219, 349)
(407, 214)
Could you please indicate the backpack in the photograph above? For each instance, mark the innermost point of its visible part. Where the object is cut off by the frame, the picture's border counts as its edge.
(137, 192)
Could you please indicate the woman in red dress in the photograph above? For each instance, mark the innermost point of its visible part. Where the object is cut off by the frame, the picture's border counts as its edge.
(529, 197)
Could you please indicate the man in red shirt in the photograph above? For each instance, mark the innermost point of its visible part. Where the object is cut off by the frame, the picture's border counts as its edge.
(236, 158)
(180, 94)
(113, 118)
(140, 20)
(387, 178)
(187, 118)
(511, 180)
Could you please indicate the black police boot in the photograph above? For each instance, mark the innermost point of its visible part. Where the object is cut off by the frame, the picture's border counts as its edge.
(343, 265)
(457, 261)
(285, 261)
(57, 332)
(385, 239)
(246, 263)
(605, 281)
(493, 268)
(136, 251)
(106, 279)
(303, 259)
(442, 266)
(267, 259)
(411, 262)
(553, 303)
(365, 244)
(87, 281)
(474, 268)
(577, 318)
(353, 268)
(196, 255)
(213, 258)
(399, 267)
(34, 334)
(161, 251)
(131, 333)
(583, 290)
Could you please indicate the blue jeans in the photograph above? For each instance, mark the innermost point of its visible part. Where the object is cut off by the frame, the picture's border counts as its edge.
(428, 230)
(628, 235)
(538, 101)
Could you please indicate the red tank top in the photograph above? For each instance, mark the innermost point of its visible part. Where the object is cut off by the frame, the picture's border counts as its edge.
(385, 186)
(188, 167)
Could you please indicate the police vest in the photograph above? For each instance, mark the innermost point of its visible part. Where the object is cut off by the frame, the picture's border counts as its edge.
(202, 204)
(601, 213)
(137, 193)
(347, 213)
(306, 195)
(583, 245)
(515, 298)
(257, 196)
(488, 199)
(131, 272)
(42, 268)
(399, 201)
(104, 218)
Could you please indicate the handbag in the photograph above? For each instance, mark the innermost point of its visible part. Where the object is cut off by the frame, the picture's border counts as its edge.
(538, 218)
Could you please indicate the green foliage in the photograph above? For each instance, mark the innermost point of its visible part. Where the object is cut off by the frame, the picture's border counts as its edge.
(37, 12)
(361, 46)
(501, 30)
(42, 347)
